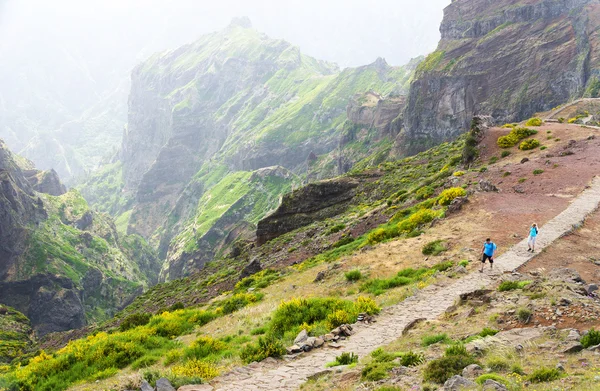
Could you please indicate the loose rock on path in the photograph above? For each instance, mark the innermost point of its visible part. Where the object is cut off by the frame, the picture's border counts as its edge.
(429, 304)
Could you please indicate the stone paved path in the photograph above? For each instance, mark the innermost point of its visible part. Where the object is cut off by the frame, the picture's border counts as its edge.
(429, 303)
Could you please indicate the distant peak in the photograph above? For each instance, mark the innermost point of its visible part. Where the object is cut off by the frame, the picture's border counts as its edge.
(380, 62)
(242, 21)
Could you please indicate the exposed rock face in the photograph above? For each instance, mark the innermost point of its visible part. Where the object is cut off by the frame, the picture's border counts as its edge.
(19, 206)
(46, 182)
(48, 248)
(314, 202)
(506, 58)
(234, 101)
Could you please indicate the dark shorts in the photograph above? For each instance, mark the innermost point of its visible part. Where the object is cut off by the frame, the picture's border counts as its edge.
(485, 257)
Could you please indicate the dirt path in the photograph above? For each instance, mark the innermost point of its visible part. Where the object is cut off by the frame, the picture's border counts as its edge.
(555, 112)
(429, 303)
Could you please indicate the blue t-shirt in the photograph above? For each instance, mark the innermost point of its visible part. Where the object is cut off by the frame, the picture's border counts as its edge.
(533, 232)
(489, 248)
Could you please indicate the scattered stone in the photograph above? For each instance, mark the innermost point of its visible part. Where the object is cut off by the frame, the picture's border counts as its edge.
(456, 205)
(320, 277)
(519, 189)
(566, 153)
(591, 288)
(311, 342)
(460, 270)
(487, 186)
(472, 371)
(560, 367)
(572, 347)
(251, 269)
(566, 275)
(573, 336)
(458, 383)
(592, 137)
(163, 384)
(318, 342)
(571, 144)
(294, 349)
(302, 336)
(334, 345)
(595, 348)
(492, 385)
(328, 337)
(146, 386)
(479, 295)
(399, 371)
(524, 160)
(564, 302)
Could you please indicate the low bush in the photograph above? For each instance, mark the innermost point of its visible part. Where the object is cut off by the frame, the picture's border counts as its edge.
(544, 375)
(134, 320)
(534, 122)
(239, 301)
(434, 248)
(448, 195)
(344, 359)
(498, 364)
(204, 347)
(419, 218)
(258, 331)
(411, 359)
(336, 228)
(463, 263)
(376, 371)
(353, 275)
(538, 172)
(492, 376)
(505, 154)
(259, 280)
(381, 234)
(343, 241)
(529, 144)
(433, 339)
(443, 266)
(404, 277)
(456, 350)
(506, 286)
(513, 138)
(144, 362)
(195, 369)
(524, 315)
(424, 193)
(486, 332)
(267, 346)
(442, 369)
(458, 173)
(592, 338)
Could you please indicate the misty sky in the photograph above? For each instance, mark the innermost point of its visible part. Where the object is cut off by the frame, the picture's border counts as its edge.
(348, 32)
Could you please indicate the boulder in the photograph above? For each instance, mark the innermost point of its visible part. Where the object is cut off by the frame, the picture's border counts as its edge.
(302, 336)
(591, 288)
(163, 384)
(565, 275)
(492, 385)
(146, 386)
(251, 269)
(294, 349)
(318, 342)
(459, 383)
(456, 205)
(572, 347)
(487, 186)
(573, 336)
(472, 371)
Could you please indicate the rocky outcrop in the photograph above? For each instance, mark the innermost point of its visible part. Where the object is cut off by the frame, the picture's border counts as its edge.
(508, 59)
(314, 202)
(46, 182)
(54, 252)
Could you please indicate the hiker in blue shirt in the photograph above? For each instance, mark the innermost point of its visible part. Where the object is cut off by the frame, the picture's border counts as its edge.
(533, 233)
(487, 252)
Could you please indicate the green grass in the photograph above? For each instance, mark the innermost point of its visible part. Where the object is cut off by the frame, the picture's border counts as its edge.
(429, 340)
(353, 275)
(512, 285)
(434, 248)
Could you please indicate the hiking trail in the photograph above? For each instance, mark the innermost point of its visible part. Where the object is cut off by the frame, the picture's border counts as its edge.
(427, 304)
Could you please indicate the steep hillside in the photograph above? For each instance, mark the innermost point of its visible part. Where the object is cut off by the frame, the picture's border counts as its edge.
(63, 264)
(508, 59)
(231, 104)
(399, 249)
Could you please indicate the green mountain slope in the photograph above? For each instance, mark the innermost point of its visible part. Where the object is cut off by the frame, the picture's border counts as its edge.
(231, 103)
(63, 264)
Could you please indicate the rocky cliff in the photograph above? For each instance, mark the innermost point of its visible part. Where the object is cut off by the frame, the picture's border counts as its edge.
(61, 263)
(230, 105)
(508, 59)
